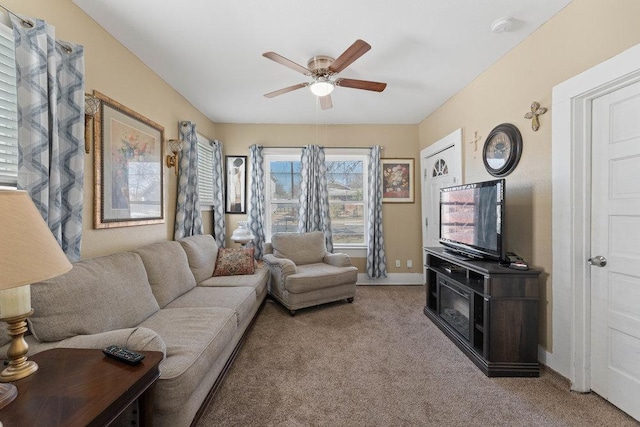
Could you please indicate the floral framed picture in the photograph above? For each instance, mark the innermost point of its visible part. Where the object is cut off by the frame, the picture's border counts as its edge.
(128, 152)
(398, 185)
(236, 174)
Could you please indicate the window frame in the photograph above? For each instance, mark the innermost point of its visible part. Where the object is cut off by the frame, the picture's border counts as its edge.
(203, 141)
(331, 154)
(274, 155)
(8, 116)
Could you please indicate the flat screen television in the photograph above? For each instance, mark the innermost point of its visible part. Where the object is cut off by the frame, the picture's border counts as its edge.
(472, 219)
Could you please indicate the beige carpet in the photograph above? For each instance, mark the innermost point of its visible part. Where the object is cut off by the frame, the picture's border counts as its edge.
(381, 362)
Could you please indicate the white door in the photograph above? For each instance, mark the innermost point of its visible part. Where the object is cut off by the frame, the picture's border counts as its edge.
(615, 236)
(440, 166)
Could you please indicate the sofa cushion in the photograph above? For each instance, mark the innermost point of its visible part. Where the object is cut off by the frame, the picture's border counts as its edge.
(168, 270)
(96, 295)
(234, 262)
(195, 338)
(257, 280)
(137, 339)
(315, 276)
(240, 299)
(202, 252)
(301, 248)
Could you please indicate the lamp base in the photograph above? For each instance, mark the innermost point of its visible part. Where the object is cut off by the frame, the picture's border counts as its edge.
(19, 371)
(19, 367)
(8, 392)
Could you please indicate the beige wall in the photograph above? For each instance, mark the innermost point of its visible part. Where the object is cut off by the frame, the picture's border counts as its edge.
(113, 70)
(582, 35)
(401, 221)
(116, 72)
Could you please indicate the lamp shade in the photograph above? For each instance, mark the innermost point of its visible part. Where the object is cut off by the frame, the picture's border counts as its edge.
(28, 251)
(242, 234)
(175, 145)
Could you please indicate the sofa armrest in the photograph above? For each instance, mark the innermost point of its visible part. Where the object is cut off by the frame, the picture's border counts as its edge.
(285, 265)
(337, 259)
(280, 268)
(137, 339)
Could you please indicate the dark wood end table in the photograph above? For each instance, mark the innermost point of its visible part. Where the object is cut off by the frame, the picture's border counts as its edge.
(80, 387)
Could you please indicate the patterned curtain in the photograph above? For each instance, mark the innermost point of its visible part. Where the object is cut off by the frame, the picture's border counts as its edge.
(314, 194)
(376, 259)
(219, 227)
(50, 82)
(188, 216)
(256, 207)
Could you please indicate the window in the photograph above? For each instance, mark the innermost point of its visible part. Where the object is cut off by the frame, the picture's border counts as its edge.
(205, 172)
(8, 110)
(347, 182)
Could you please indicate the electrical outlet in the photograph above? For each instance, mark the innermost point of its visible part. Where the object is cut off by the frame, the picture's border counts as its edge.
(397, 263)
(409, 263)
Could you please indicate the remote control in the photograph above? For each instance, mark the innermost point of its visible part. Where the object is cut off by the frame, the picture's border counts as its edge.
(519, 265)
(123, 355)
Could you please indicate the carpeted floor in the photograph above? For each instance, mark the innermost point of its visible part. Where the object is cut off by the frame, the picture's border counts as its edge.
(381, 362)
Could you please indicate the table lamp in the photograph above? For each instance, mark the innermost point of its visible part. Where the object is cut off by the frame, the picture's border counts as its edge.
(242, 234)
(28, 253)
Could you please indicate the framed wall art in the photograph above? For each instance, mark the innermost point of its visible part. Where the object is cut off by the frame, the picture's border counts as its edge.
(398, 184)
(128, 171)
(236, 183)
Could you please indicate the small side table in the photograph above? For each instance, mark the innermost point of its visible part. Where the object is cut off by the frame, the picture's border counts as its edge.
(80, 387)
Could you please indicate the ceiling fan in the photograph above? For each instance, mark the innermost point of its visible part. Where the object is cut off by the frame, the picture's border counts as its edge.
(322, 69)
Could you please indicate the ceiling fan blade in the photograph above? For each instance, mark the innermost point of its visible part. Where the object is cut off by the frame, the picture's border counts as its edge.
(286, 62)
(361, 84)
(325, 102)
(285, 90)
(355, 51)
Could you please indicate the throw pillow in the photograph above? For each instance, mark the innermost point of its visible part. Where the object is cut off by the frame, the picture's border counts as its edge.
(234, 261)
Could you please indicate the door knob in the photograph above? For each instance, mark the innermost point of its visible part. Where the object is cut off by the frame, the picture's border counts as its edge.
(598, 261)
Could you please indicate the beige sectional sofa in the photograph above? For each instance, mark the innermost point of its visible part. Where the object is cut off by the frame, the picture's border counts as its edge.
(160, 297)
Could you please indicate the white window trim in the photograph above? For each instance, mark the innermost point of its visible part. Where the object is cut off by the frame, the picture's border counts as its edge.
(203, 140)
(270, 155)
(9, 109)
(294, 154)
(357, 249)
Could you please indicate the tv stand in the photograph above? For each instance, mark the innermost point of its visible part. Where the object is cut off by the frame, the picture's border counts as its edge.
(458, 255)
(488, 310)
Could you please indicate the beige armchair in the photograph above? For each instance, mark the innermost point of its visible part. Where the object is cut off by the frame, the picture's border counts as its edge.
(304, 274)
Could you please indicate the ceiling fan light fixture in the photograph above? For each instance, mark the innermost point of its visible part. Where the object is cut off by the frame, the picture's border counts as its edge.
(322, 86)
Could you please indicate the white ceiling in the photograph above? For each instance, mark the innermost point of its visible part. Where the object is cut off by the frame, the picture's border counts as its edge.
(210, 51)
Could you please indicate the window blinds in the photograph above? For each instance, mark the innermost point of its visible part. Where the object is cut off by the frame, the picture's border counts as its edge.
(8, 109)
(205, 171)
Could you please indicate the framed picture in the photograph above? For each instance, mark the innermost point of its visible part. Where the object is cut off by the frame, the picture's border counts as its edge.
(236, 183)
(398, 184)
(127, 168)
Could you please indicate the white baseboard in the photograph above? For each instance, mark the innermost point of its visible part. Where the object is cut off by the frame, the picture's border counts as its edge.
(547, 359)
(544, 357)
(392, 279)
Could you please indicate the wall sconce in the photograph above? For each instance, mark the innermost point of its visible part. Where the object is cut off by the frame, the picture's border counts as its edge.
(175, 146)
(91, 106)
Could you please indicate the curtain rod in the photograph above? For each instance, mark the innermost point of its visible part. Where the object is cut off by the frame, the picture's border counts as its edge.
(322, 146)
(30, 24)
(24, 21)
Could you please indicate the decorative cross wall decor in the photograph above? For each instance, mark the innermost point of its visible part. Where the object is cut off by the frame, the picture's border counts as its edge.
(475, 140)
(536, 111)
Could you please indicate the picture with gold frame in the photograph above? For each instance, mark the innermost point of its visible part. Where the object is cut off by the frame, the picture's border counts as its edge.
(128, 174)
(398, 180)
